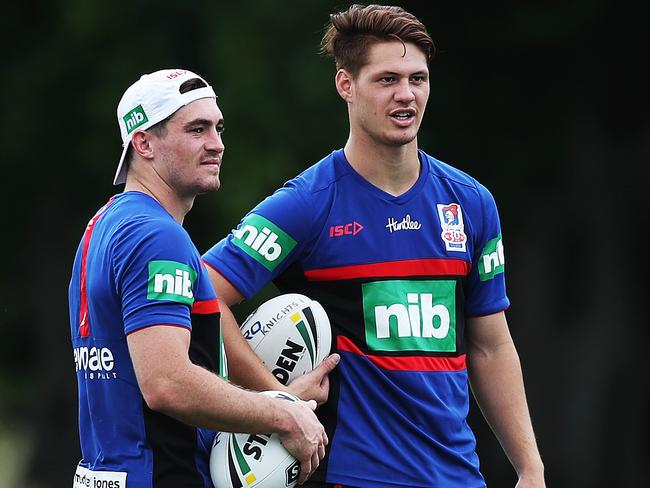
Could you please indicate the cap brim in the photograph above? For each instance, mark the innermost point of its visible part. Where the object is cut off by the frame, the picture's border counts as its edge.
(120, 174)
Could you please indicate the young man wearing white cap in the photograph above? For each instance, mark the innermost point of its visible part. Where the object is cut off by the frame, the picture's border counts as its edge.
(144, 317)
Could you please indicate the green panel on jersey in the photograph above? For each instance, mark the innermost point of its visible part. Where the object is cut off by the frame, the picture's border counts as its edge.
(492, 260)
(404, 315)
(171, 280)
(264, 241)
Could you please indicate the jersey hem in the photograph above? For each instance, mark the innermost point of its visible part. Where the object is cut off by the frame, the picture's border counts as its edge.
(500, 306)
(136, 329)
(229, 275)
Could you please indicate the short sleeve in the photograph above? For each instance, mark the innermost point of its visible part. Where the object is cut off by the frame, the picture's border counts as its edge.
(156, 268)
(268, 239)
(486, 286)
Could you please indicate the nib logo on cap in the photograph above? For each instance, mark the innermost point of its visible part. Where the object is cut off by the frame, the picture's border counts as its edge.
(135, 118)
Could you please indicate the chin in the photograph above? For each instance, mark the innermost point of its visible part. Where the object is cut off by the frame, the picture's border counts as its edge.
(208, 187)
(401, 137)
(402, 140)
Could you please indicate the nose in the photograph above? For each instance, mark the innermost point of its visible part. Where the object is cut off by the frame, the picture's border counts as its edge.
(404, 91)
(215, 142)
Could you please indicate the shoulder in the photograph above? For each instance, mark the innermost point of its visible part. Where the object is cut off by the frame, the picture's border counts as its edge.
(137, 223)
(304, 195)
(321, 176)
(453, 177)
(136, 214)
(445, 171)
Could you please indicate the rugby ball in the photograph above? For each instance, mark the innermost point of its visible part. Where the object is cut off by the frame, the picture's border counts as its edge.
(253, 460)
(290, 333)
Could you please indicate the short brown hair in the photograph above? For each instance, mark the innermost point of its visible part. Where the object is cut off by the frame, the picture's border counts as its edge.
(349, 33)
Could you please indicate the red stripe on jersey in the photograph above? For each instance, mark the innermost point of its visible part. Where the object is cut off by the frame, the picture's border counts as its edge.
(206, 307)
(409, 267)
(405, 363)
(84, 319)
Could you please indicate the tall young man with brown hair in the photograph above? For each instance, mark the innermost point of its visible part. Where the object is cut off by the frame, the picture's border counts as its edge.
(405, 253)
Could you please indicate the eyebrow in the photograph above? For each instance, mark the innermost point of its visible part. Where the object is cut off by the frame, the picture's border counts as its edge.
(395, 73)
(201, 121)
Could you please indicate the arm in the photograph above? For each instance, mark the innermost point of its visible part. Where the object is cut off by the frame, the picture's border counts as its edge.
(246, 369)
(171, 384)
(497, 383)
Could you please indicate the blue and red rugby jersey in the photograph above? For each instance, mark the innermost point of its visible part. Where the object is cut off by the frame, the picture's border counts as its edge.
(397, 277)
(136, 267)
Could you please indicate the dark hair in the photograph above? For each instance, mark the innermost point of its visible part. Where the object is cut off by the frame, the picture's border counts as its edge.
(349, 34)
(160, 128)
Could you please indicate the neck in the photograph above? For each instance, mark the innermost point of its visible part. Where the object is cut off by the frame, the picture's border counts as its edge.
(393, 169)
(177, 206)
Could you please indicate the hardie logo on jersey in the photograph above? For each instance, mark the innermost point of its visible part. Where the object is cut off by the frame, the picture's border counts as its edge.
(170, 280)
(492, 260)
(134, 119)
(453, 228)
(402, 315)
(264, 241)
(405, 224)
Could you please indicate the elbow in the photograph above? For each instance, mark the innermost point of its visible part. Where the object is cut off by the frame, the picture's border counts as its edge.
(161, 396)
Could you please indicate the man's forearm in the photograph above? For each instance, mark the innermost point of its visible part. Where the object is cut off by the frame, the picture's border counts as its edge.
(497, 383)
(245, 367)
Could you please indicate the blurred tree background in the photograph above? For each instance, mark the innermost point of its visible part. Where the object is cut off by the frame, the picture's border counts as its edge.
(546, 103)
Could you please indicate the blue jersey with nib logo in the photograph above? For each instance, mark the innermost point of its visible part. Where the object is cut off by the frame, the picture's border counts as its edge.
(397, 276)
(135, 268)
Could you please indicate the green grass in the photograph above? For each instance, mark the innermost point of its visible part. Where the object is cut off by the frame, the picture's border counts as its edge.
(14, 452)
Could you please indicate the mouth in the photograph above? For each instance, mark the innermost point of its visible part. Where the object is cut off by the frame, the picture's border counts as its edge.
(403, 115)
(211, 162)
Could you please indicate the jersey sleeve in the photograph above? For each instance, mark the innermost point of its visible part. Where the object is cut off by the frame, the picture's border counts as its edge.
(267, 240)
(156, 268)
(486, 286)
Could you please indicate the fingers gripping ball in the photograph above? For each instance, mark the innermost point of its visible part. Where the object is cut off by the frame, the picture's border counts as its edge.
(253, 460)
(290, 333)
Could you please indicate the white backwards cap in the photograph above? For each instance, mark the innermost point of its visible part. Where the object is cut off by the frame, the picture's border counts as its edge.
(151, 99)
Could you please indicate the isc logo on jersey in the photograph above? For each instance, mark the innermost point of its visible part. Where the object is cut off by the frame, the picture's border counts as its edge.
(403, 315)
(171, 280)
(262, 240)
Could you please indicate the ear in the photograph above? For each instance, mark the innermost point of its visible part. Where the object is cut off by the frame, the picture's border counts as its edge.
(343, 81)
(141, 143)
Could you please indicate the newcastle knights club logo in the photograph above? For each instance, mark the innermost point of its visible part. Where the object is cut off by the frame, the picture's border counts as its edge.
(453, 229)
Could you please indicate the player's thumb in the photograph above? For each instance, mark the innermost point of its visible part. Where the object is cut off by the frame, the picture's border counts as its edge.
(312, 404)
(328, 364)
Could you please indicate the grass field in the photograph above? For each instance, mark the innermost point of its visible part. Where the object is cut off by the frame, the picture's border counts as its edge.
(14, 450)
